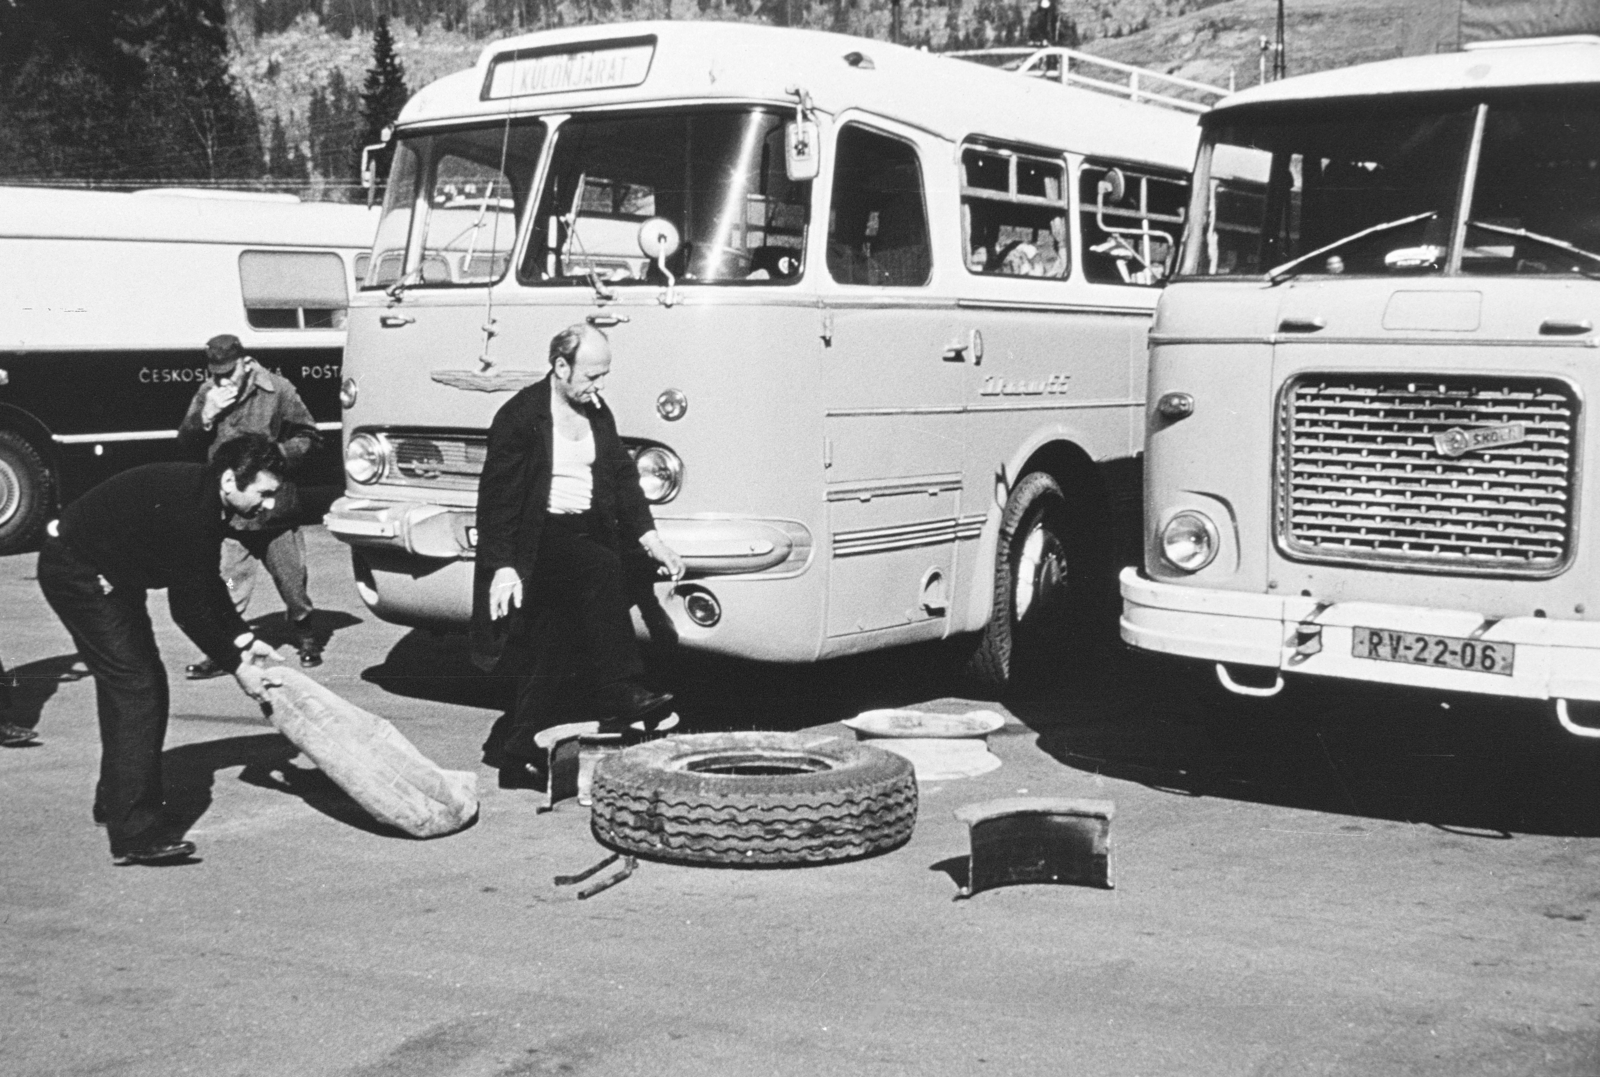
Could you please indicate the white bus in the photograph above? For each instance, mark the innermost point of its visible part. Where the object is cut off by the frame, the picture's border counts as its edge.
(106, 302)
(1370, 384)
(879, 321)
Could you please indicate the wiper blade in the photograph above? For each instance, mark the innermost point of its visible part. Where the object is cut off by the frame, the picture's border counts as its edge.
(1280, 273)
(1523, 233)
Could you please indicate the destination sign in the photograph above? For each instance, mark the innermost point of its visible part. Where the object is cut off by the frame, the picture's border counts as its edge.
(530, 72)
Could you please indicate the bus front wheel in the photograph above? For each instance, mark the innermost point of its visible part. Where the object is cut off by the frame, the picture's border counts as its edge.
(24, 493)
(1038, 564)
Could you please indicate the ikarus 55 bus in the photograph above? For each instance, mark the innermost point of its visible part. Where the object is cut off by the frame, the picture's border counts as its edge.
(1369, 427)
(878, 316)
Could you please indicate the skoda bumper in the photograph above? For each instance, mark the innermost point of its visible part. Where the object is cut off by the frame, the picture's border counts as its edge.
(1548, 659)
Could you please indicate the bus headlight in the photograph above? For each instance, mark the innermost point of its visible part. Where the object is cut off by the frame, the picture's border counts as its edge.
(660, 473)
(366, 458)
(1189, 541)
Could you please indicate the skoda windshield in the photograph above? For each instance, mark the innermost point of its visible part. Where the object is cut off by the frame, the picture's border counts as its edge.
(1432, 185)
(715, 174)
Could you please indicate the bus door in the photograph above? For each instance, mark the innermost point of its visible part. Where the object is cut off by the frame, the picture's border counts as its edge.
(895, 372)
(450, 220)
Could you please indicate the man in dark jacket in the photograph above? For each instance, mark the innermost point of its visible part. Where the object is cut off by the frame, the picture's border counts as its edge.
(152, 527)
(558, 499)
(243, 397)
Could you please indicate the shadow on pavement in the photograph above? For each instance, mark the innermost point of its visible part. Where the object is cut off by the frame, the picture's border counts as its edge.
(190, 773)
(1473, 765)
(35, 683)
(714, 694)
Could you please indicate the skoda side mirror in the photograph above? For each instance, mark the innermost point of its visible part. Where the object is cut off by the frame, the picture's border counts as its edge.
(369, 169)
(802, 157)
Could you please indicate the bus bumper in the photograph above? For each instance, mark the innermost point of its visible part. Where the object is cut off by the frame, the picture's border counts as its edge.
(1552, 659)
(709, 546)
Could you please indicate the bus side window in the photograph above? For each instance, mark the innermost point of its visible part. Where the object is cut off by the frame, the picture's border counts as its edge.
(1014, 214)
(293, 289)
(1131, 221)
(878, 221)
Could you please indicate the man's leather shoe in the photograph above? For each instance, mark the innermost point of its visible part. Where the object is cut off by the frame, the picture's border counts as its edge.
(625, 704)
(307, 643)
(159, 853)
(203, 670)
(15, 736)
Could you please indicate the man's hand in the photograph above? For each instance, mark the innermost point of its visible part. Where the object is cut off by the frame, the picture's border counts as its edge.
(505, 591)
(671, 564)
(219, 398)
(254, 681)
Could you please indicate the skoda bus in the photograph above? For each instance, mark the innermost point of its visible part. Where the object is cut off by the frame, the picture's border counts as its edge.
(878, 319)
(1370, 380)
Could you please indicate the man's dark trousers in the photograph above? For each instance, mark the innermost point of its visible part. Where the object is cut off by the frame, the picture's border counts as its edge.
(574, 620)
(113, 636)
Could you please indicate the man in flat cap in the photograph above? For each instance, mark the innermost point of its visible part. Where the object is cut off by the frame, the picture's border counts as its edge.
(242, 397)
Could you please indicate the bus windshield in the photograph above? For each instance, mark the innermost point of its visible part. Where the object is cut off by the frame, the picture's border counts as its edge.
(1374, 189)
(716, 174)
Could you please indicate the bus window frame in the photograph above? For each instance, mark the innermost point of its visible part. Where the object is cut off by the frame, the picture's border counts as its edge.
(1143, 174)
(554, 125)
(822, 192)
(1017, 151)
(416, 237)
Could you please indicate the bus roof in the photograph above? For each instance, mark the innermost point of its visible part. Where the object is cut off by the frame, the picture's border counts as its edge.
(153, 216)
(1529, 62)
(701, 60)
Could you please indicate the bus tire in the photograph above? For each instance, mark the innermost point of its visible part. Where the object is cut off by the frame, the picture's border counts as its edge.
(1039, 565)
(753, 799)
(26, 493)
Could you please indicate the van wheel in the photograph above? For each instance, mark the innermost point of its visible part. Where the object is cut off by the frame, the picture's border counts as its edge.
(1041, 573)
(25, 493)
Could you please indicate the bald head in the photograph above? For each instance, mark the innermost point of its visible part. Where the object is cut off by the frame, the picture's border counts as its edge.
(580, 359)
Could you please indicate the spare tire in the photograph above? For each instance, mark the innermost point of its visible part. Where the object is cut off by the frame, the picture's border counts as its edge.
(753, 799)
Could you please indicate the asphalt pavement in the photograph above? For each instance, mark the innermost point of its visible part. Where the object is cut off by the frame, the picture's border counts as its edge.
(1342, 881)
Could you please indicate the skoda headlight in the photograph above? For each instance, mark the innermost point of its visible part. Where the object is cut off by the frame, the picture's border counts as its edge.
(1189, 541)
(366, 458)
(660, 473)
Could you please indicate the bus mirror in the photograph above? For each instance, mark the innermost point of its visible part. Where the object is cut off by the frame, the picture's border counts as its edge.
(801, 161)
(369, 170)
(1113, 186)
(658, 239)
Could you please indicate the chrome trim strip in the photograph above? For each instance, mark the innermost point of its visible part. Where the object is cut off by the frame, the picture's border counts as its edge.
(906, 536)
(330, 426)
(966, 409)
(1454, 341)
(1052, 308)
(129, 435)
(867, 489)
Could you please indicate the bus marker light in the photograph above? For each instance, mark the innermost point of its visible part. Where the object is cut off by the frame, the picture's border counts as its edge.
(1175, 406)
(347, 393)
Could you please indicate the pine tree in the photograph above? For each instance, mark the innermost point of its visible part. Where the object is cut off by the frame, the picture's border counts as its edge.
(202, 125)
(383, 94)
(278, 150)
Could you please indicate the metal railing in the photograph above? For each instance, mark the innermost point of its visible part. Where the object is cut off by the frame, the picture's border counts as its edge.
(1066, 66)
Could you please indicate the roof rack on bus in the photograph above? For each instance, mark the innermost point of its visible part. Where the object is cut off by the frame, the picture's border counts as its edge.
(1065, 66)
(1524, 42)
(218, 192)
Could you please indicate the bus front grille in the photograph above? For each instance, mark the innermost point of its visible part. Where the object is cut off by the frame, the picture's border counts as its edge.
(437, 461)
(1432, 473)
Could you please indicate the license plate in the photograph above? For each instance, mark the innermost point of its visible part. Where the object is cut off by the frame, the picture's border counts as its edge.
(472, 537)
(1442, 652)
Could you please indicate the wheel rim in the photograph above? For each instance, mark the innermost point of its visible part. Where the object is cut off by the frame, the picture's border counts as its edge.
(10, 492)
(1041, 574)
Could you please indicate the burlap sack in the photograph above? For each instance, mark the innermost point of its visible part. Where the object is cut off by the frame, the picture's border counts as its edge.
(370, 759)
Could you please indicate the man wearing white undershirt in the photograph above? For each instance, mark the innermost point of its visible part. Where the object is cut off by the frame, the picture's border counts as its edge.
(558, 499)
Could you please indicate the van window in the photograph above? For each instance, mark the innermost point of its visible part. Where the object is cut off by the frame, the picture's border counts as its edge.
(1131, 221)
(1014, 214)
(451, 185)
(293, 289)
(877, 223)
(717, 174)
